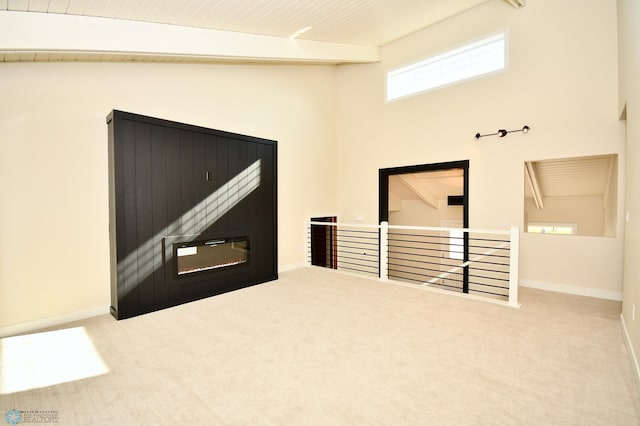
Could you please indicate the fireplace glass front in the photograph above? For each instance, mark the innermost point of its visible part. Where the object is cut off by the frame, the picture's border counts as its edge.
(201, 256)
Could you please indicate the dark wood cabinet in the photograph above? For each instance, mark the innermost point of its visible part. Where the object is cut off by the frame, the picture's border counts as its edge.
(179, 190)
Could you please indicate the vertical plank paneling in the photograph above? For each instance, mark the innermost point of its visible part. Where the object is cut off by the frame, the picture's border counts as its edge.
(159, 209)
(186, 181)
(188, 200)
(130, 262)
(271, 199)
(173, 181)
(199, 184)
(233, 170)
(116, 210)
(222, 177)
(174, 189)
(144, 214)
(250, 205)
(265, 198)
(238, 217)
(211, 152)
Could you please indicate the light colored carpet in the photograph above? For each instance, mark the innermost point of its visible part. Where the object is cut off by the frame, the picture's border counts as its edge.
(320, 348)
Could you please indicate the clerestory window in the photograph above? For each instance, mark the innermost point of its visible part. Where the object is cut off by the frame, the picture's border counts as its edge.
(472, 60)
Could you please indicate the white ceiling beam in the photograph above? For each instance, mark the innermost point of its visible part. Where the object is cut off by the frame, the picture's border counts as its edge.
(535, 186)
(420, 189)
(30, 32)
(607, 185)
(517, 3)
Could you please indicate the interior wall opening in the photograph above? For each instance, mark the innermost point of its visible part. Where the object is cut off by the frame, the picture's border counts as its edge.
(428, 195)
(572, 196)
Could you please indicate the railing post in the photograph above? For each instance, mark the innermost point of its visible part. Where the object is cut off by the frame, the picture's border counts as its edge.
(514, 255)
(465, 259)
(307, 248)
(384, 251)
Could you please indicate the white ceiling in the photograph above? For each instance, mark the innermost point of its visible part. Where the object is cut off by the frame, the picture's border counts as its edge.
(363, 22)
(572, 177)
(118, 30)
(441, 184)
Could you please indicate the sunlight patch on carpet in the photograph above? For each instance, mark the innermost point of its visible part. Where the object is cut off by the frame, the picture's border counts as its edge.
(44, 359)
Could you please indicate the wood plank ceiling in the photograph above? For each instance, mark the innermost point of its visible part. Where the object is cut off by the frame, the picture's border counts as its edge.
(572, 177)
(353, 22)
(366, 22)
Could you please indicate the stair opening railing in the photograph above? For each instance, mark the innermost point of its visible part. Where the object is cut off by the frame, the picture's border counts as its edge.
(468, 261)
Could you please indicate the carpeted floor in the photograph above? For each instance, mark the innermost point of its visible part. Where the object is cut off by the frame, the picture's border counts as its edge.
(321, 348)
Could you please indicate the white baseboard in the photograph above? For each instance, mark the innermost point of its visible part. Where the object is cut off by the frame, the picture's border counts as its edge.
(30, 326)
(627, 340)
(578, 291)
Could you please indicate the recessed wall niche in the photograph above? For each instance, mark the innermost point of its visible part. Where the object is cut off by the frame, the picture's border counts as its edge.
(192, 212)
(572, 196)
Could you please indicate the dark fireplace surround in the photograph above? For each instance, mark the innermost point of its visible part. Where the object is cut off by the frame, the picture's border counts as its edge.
(192, 212)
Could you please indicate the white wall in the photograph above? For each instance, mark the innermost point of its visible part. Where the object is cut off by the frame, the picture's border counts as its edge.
(54, 257)
(561, 81)
(334, 131)
(613, 198)
(629, 54)
(587, 212)
(419, 213)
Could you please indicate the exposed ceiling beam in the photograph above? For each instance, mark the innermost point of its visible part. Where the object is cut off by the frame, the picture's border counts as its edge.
(605, 198)
(30, 32)
(420, 189)
(535, 186)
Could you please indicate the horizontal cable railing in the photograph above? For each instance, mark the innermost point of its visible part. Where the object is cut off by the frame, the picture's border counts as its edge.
(470, 261)
(349, 247)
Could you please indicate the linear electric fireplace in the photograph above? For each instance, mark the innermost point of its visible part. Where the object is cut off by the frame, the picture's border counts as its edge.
(207, 255)
(192, 212)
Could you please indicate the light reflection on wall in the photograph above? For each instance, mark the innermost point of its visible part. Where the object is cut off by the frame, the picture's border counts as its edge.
(49, 358)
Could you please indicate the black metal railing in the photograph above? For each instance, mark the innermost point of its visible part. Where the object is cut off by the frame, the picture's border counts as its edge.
(480, 262)
(447, 260)
(344, 247)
